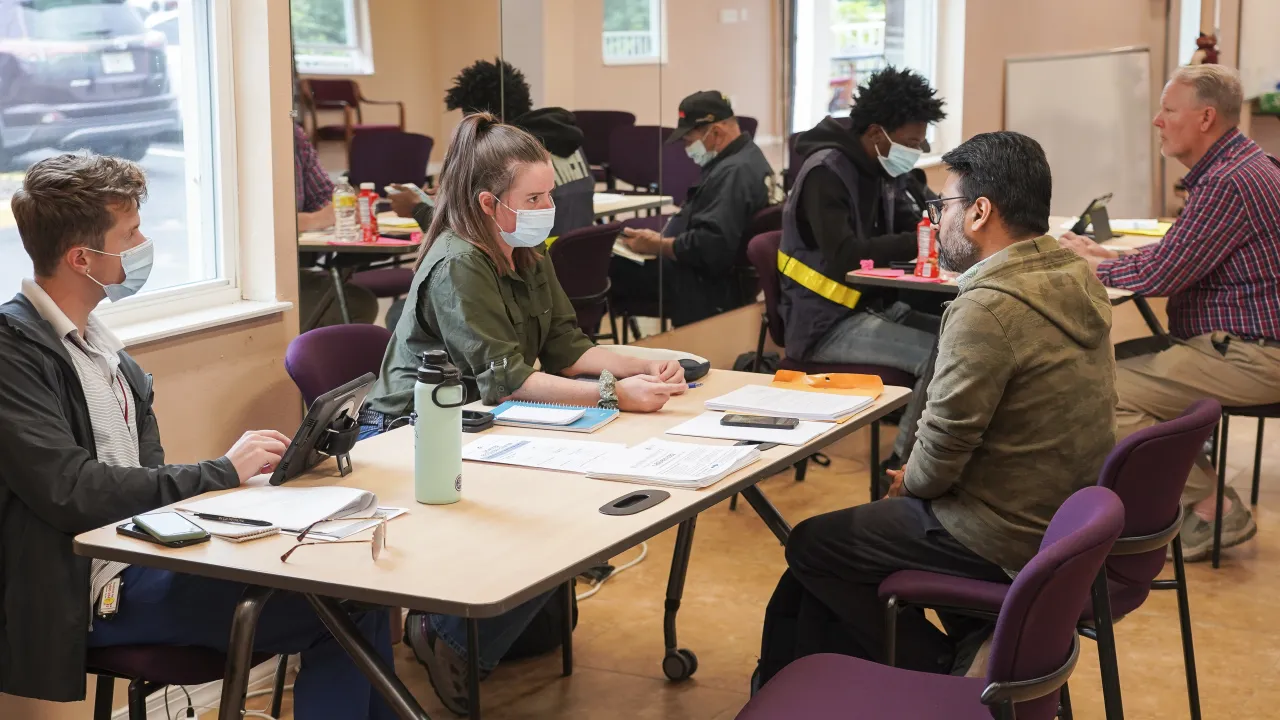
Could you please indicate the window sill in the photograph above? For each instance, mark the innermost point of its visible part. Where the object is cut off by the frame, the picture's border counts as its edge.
(146, 331)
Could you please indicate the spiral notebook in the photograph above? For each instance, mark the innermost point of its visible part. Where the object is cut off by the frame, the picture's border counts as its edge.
(546, 416)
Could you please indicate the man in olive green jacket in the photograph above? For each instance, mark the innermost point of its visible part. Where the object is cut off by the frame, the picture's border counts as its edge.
(1018, 418)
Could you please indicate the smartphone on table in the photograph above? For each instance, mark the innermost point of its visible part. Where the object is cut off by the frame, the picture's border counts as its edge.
(760, 421)
(169, 528)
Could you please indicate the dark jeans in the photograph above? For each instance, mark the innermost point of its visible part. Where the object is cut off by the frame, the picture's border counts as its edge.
(827, 600)
(159, 607)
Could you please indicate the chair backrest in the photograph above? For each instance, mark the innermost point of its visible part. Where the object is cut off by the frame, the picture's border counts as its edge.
(748, 124)
(1037, 625)
(748, 281)
(1148, 470)
(634, 153)
(333, 94)
(597, 127)
(679, 173)
(762, 252)
(581, 260)
(325, 358)
(389, 156)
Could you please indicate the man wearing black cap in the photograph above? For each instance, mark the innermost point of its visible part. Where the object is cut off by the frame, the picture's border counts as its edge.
(700, 245)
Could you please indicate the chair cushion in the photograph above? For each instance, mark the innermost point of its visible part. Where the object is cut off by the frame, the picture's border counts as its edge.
(163, 664)
(385, 282)
(888, 375)
(836, 686)
(931, 589)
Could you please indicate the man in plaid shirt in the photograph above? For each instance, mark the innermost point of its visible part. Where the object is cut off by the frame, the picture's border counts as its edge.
(1219, 265)
(312, 188)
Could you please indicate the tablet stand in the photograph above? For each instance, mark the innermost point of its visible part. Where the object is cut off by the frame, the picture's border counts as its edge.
(338, 439)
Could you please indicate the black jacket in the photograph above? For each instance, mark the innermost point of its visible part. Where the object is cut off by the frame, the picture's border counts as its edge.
(709, 231)
(825, 220)
(51, 489)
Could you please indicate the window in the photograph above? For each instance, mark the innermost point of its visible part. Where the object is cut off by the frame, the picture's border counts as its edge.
(634, 32)
(331, 37)
(135, 79)
(840, 43)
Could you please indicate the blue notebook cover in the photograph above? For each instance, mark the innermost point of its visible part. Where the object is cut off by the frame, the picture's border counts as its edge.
(594, 419)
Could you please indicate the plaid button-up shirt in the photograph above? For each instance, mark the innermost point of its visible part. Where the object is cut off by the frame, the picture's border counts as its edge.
(312, 187)
(1219, 265)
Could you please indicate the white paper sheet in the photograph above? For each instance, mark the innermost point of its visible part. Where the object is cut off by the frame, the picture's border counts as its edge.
(344, 528)
(777, 402)
(708, 425)
(663, 462)
(290, 508)
(544, 453)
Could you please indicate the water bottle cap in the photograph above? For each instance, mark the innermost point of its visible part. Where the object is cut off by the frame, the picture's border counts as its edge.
(367, 186)
(436, 368)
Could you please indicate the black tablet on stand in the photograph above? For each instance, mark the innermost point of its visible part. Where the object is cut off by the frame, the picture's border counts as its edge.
(330, 429)
(1095, 214)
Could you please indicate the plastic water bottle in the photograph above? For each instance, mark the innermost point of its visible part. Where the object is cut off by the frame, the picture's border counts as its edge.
(346, 228)
(437, 434)
(926, 248)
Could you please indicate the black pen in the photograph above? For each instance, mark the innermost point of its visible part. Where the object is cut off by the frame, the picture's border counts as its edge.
(231, 520)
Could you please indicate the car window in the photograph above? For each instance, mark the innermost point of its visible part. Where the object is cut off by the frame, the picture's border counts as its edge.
(79, 19)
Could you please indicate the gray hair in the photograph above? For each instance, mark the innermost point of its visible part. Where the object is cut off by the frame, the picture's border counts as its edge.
(1217, 86)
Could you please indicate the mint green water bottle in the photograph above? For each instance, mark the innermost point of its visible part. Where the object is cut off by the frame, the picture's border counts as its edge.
(437, 434)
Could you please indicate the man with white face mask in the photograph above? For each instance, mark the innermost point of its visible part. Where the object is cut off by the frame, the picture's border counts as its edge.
(857, 198)
(701, 244)
(80, 448)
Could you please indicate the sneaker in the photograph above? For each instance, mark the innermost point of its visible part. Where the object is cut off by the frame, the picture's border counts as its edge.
(446, 669)
(1197, 534)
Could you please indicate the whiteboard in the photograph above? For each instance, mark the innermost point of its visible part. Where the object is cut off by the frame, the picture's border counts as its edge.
(1092, 115)
(1259, 49)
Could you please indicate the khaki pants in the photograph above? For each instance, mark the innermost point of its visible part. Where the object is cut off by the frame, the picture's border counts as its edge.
(1158, 387)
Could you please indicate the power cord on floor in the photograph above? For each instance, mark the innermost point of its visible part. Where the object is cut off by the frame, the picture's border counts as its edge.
(595, 586)
(191, 709)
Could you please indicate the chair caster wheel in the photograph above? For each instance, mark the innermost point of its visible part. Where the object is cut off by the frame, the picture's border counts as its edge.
(679, 664)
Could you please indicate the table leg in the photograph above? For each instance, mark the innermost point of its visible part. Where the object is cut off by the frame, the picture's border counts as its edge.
(773, 519)
(874, 460)
(1149, 316)
(473, 669)
(678, 663)
(566, 636)
(244, 623)
(336, 275)
(382, 677)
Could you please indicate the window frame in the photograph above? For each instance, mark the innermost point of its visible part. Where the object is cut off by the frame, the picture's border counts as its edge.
(657, 24)
(359, 57)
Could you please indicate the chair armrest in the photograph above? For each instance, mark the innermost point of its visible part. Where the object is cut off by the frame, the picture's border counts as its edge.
(397, 103)
(998, 693)
(1138, 544)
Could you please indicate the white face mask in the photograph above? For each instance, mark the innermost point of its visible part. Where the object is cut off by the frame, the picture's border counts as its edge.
(699, 153)
(900, 160)
(532, 226)
(136, 262)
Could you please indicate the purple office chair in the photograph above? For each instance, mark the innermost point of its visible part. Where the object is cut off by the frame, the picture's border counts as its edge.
(633, 155)
(762, 252)
(748, 124)
(581, 259)
(1261, 412)
(1147, 470)
(387, 157)
(1033, 652)
(767, 220)
(323, 359)
(385, 282)
(597, 126)
(150, 668)
(679, 173)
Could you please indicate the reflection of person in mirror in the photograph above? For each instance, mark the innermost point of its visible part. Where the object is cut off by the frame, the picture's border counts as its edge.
(699, 246)
(857, 196)
(313, 190)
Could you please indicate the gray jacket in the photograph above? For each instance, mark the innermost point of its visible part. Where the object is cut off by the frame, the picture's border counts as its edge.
(52, 488)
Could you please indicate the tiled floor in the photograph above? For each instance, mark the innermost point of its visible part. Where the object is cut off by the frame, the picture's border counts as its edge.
(618, 643)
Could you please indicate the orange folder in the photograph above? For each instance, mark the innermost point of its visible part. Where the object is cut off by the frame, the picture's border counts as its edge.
(835, 383)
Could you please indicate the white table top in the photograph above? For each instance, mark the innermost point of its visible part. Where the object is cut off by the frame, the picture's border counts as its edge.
(516, 533)
(606, 204)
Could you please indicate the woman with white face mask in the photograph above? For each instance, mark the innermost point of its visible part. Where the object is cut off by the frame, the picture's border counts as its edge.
(485, 292)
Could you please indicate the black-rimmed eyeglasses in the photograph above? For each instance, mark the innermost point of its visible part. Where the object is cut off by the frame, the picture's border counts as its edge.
(935, 207)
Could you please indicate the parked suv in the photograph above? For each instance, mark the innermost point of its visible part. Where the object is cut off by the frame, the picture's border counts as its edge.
(82, 74)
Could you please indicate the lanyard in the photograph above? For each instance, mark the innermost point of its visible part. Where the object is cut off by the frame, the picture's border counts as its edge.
(124, 408)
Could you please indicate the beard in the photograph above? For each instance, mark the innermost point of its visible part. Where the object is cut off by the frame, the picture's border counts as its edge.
(956, 252)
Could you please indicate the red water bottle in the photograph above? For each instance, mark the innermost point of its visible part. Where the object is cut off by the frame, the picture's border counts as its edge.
(367, 212)
(926, 249)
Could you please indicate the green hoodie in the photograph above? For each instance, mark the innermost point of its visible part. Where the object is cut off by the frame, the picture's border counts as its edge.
(1021, 406)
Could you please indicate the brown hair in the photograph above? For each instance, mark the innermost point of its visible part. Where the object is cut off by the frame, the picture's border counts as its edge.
(65, 203)
(483, 156)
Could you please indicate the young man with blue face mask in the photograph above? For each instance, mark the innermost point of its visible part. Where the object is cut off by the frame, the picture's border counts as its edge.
(857, 197)
(701, 244)
(80, 448)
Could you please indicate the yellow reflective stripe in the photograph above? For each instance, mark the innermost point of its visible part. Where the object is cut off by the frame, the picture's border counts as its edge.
(816, 282)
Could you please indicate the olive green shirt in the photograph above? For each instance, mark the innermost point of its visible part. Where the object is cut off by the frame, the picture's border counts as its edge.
(494, 326)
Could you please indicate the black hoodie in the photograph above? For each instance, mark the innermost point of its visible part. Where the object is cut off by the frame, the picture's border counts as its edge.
(826, 221)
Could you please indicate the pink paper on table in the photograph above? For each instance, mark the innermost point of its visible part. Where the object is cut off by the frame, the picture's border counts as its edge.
(881, 272)
(916, 278)
(382, 241)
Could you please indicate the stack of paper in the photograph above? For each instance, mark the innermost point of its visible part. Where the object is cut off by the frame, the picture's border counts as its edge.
(775, 402)
(673, 464)
(289, 508)
(519, 413)
(544, 453)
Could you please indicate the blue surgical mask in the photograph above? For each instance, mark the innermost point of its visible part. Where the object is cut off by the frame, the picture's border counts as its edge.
(900, 160)
(137, 262)
(699, 153)
(532, 227)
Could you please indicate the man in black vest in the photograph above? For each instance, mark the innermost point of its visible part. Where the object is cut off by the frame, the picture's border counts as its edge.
(857, 198)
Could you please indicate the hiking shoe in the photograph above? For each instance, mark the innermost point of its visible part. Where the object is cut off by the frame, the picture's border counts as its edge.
(1197, 534)
(446, 669)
